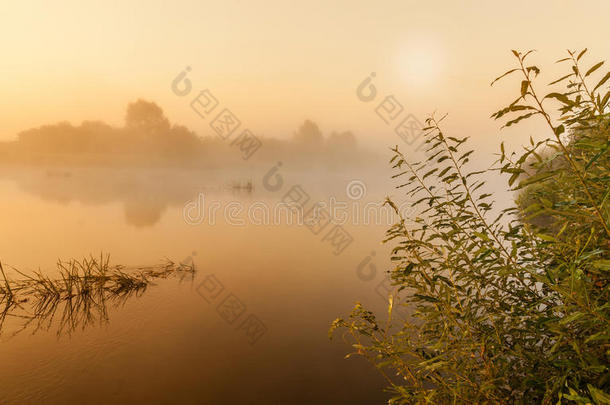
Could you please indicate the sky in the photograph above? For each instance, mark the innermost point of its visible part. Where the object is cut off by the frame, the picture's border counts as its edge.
(276, 63)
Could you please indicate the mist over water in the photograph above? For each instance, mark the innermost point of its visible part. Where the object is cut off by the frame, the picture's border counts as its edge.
(63, 203)
(288, 235)
(191, 192)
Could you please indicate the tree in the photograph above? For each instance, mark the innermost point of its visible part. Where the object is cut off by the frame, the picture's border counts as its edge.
(309, 136)
(146, 116)
(504, 310)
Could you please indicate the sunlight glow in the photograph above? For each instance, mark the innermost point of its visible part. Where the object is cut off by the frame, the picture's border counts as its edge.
(420, 62)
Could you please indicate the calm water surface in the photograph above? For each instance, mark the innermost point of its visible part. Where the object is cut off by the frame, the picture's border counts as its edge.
(170, 345)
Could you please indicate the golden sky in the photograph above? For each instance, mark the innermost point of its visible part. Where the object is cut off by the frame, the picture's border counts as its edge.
(275, 63)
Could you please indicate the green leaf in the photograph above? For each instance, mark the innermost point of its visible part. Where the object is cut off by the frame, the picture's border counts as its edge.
(513, 178)
(602, 81)
(430, 173)
(581, 54)
(426, 298)
(594, 68)
(533, 69)
(520, 118)
(599, 396)
(561, 79)
(561, 97)
(597, 156)
(536, 178)
(602, 264)
(598, 336)
(524, 86)
(481, 236)
(571, 318)
(505, 74)
(604, 100)
(437, 365)
(559, 130)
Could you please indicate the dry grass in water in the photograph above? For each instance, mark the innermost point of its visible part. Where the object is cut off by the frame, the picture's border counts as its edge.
(80, 295)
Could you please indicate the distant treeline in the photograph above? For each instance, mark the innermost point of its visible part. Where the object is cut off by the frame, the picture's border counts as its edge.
(148, 138)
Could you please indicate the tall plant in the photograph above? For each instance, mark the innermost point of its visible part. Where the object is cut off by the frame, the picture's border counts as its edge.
(506, 309)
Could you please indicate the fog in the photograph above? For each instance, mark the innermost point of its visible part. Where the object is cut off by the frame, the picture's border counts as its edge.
(148, 139)
(149, 133)
(149, 164)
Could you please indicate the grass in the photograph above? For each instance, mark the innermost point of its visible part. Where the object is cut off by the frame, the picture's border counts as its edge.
(81, 293)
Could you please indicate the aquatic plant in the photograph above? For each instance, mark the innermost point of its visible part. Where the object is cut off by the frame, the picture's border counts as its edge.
(80, 294)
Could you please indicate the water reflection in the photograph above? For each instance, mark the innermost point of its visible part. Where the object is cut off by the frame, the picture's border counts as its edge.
(145, 195)
(168, 337)
(80, 297)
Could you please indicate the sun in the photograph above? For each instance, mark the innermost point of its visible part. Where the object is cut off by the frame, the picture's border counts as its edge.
(420, 62)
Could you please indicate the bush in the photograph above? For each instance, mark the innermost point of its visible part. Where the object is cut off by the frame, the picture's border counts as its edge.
(505, 309)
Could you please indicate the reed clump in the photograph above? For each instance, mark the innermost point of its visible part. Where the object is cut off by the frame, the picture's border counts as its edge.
(80, 294)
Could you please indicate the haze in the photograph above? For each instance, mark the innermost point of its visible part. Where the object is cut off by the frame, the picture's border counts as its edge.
(275, 63)
(193, 190)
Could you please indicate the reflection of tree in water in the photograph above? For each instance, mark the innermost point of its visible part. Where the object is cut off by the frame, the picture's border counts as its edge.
(145, 194)
(143, 213)
(80, 297)
(150, 164)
